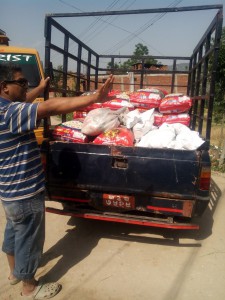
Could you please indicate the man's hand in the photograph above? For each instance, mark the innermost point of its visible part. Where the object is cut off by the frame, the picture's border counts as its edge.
(33, 94)
(102, 93)
(43, 83)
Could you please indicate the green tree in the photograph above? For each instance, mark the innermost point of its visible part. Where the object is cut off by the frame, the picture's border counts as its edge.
(56, 81)
(219, 104)
(140, 50)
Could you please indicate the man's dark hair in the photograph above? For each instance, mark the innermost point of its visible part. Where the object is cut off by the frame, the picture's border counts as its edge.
(8, 70)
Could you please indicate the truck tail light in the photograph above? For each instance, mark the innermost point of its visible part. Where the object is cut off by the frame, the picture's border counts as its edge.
(205, 177)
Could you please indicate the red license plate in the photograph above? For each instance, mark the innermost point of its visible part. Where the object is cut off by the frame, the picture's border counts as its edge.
(120, 201)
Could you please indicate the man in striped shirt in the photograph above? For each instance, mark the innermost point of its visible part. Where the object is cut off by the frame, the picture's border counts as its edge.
(21, 173)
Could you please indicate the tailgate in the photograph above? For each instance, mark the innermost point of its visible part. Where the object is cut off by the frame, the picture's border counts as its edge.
(123, 170)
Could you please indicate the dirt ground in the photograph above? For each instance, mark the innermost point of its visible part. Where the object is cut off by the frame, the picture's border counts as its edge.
(95, 260)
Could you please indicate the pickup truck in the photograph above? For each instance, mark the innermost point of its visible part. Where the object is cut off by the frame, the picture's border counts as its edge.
(164, 188)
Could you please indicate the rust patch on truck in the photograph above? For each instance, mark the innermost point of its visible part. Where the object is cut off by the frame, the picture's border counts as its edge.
(188, 208)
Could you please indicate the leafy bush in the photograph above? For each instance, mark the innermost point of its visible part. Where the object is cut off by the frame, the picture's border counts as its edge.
(215, 153)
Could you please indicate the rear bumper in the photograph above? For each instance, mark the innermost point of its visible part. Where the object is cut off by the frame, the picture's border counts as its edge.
(142, 204)
(167, 222)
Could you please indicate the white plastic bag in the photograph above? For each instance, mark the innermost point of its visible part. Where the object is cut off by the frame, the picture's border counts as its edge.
(173, 136)
(132, 118)
(101, 119)
(144, 125)
(189, 140)
(158, 138)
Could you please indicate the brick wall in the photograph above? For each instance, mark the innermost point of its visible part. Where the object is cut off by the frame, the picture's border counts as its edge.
(122, 82)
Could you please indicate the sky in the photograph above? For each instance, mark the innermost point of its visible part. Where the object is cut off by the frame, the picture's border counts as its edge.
(174, 34)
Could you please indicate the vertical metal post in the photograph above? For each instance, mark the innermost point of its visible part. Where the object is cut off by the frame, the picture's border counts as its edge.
(78, 67)
(205, 77)
(65, 69)
(198, 82)
(96, 72)
(48, 72)
(173, 75)
(142, 73)
(48, 29)
(192, 87)
(89, 71)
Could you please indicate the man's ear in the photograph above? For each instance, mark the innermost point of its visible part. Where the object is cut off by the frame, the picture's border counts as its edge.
(3, 87)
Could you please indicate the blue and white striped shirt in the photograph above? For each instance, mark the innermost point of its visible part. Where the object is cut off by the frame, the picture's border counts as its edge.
(21, 171)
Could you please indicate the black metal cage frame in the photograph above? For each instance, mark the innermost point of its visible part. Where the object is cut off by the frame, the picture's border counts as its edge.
(202, 63)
